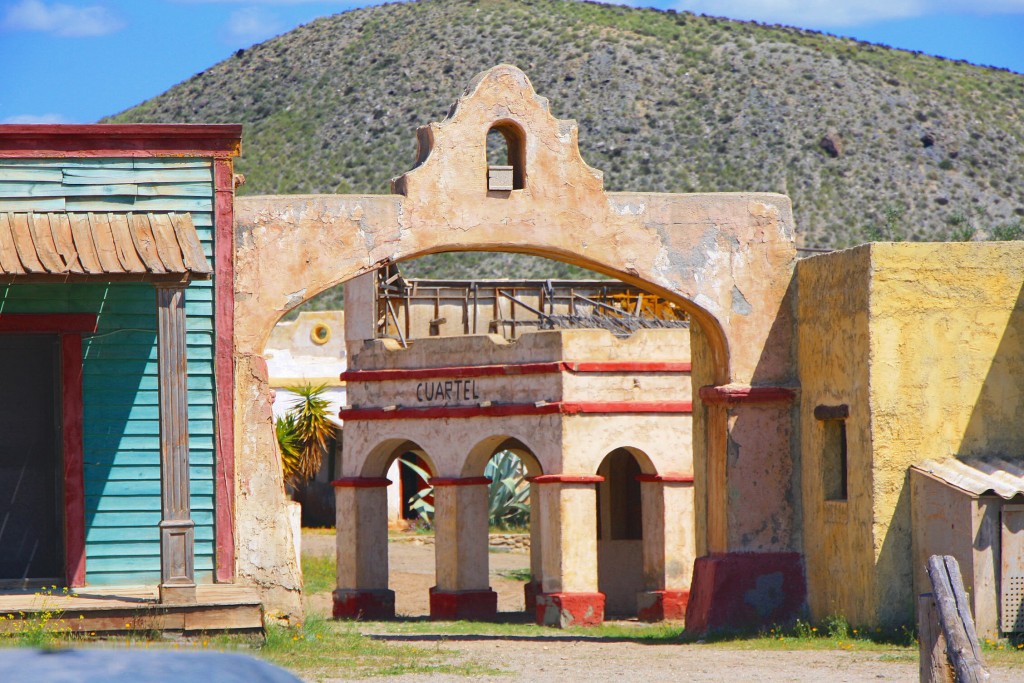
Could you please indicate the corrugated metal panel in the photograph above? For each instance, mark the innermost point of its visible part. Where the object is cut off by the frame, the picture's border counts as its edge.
(100, 244)
(977, 476)
(122, 457)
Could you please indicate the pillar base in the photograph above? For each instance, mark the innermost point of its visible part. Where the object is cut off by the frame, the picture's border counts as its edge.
(563, 610)
(463, 605)
(745, 591)
(662, 605)
(364, 604)
(177, 594)
(531, 589)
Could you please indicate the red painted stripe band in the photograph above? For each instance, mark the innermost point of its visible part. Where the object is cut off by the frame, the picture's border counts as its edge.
(360, 482)
(458, 481)
(460, 371)
(518, 409)
(566, 479)
(732, 394)
(65, 323)
(132, 140)
(669, 477)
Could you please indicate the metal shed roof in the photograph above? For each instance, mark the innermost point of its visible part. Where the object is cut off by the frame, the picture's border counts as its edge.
(61, 246)
(979, 476)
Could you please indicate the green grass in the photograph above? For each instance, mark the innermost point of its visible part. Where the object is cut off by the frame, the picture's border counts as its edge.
(319, 574)
(324, 649)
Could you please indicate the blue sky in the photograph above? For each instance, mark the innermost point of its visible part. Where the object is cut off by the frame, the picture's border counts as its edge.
(74, 61)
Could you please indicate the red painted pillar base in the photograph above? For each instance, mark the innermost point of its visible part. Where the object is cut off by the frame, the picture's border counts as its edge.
(364, 604)
(463, 605)
(745, 591)
(531, 589)
(563, 610)
(661, 605)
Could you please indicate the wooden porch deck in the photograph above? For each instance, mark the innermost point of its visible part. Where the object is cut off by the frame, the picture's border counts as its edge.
(113, 609)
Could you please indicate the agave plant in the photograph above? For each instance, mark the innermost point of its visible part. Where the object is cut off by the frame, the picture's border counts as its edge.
(418, 502)
(508, 494)
(304, 433)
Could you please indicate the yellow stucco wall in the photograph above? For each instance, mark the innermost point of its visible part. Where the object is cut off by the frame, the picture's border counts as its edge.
(832, 315)
(944, 329)
(947, 325)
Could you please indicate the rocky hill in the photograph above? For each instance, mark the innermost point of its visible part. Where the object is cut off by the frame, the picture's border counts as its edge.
(870, 142)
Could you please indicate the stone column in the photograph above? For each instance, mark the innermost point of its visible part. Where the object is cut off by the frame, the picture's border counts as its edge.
(362, 549)
(463, 589)
(669, 545)
(177, 530)
(532, 587)
(567, 505)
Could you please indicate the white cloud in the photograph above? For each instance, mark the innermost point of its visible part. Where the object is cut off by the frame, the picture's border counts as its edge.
(251, 25)
(61, 19)
(826, 13)
(36, 118)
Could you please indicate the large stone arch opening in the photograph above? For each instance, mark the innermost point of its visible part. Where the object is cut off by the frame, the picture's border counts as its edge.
(726, 259)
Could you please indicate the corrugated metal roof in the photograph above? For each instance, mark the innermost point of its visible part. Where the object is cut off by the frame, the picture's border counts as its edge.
(978, 476)
(63, 245)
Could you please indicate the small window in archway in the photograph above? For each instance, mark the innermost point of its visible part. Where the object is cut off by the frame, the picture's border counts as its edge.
(506, 158)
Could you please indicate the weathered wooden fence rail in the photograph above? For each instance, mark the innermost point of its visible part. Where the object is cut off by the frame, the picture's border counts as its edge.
(950, 650)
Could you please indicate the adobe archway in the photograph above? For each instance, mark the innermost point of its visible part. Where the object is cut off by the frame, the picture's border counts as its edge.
(726, 258)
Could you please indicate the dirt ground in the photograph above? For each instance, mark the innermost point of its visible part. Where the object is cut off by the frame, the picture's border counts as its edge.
(553, 656)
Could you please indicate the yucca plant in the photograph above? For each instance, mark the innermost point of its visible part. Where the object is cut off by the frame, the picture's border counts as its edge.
(289, 446)
(304, 434)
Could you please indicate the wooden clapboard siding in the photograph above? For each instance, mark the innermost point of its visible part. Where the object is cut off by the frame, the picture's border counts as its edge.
(121, 429)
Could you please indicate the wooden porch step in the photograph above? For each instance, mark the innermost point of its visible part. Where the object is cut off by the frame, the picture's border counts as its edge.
(219, 607)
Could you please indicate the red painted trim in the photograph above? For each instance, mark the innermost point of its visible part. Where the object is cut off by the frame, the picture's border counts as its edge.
(517, 409)
(566, 479)
(43, 323)
(70, 327)
(458, 481)
(74, 479)
(732, 394)
(100, 140)
(479, 605)
(360, 482)
(460, 371)
(563, 610)
(670, 477)
(224, 366)
(630, 366)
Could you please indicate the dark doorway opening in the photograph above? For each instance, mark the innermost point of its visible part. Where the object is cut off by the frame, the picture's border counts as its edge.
(31, 486)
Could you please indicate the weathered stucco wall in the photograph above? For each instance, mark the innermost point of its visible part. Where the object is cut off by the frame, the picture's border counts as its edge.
(726, 258)
(941, 376)
(833, 329)
(947, 340)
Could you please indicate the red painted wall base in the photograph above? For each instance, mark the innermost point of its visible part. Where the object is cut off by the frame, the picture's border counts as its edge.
(662, 605)
(463, 605)
(563, 610)
(364, 604)
(531, 589)
(745, 591)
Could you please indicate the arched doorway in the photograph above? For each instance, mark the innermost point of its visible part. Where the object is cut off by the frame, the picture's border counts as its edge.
(362, 519)
(725, 259)
(620, 533)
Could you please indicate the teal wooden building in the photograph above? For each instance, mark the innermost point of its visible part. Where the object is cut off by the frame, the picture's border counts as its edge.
(116, 435)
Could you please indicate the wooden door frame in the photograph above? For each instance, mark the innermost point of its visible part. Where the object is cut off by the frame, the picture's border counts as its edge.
(69, 327)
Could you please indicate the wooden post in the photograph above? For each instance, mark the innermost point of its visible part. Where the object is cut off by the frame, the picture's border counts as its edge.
(954, 615)
(934, 667)
(177, 530)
